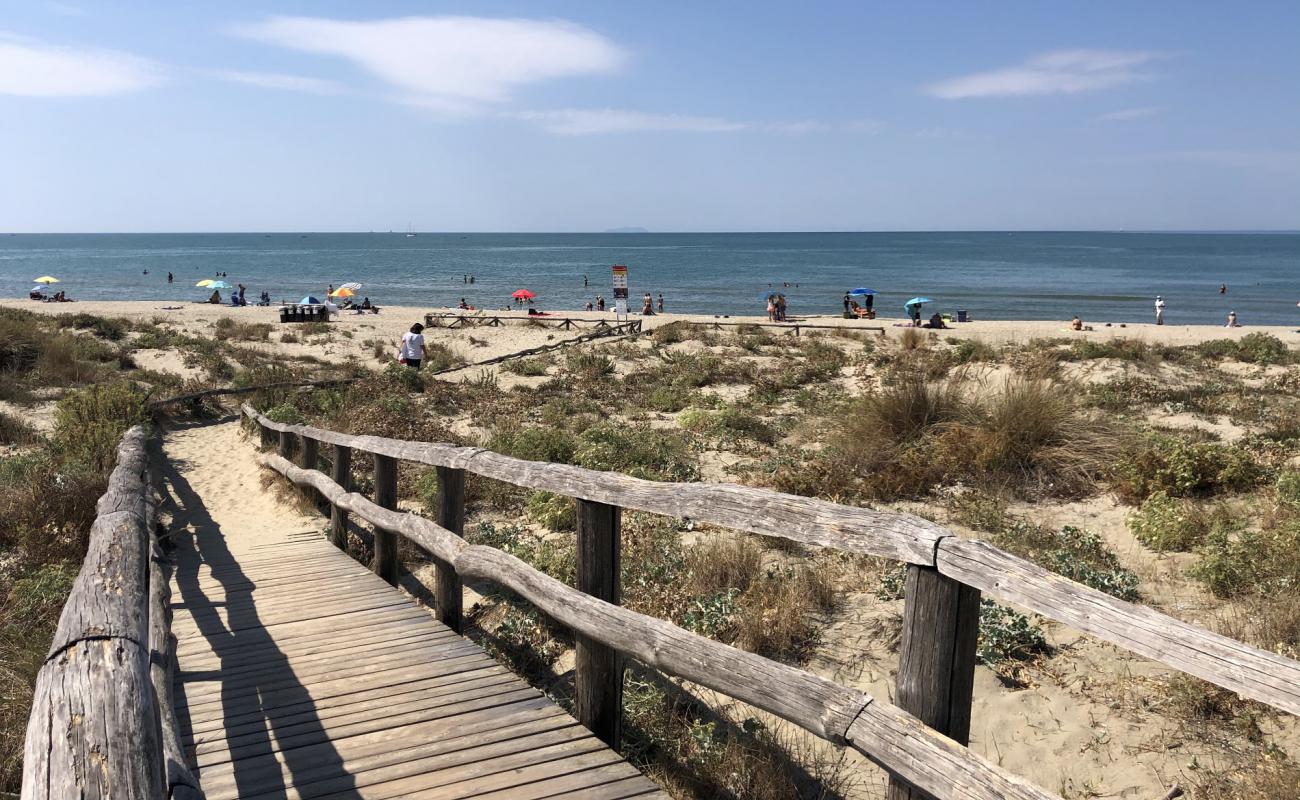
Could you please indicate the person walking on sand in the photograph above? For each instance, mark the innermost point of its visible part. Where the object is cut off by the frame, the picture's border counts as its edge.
(771, 308)
(1160, 310)
(412, 351)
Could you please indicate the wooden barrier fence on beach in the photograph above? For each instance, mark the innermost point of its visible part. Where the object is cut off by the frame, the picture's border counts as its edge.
(475, 320)
(106, 677)
(946, 576)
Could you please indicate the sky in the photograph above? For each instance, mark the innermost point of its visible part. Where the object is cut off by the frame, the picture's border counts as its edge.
(671, 116)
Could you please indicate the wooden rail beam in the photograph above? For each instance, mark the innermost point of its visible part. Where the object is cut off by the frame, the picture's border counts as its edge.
(385, 563)
(936, 672)
(341, 472)
(94, 730)
(598, 668)
(448, 594)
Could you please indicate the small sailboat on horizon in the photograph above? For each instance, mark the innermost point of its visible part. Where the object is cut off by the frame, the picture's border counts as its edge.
(410, 234)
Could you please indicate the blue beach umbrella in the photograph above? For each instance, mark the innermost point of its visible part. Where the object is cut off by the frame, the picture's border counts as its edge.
(219, 285)
(916, 301)
(309, 301)
(861, 291)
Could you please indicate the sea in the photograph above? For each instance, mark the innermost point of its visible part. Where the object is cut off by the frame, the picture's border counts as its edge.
(1101, 276)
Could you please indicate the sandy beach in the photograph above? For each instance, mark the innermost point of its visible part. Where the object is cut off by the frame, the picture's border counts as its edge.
(392, 321)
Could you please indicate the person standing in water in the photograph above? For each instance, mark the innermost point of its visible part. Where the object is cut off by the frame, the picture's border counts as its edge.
(170, 277)
(1160, 310)
(660, 307)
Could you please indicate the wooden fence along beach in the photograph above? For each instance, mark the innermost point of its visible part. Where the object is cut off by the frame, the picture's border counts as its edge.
(109, 720)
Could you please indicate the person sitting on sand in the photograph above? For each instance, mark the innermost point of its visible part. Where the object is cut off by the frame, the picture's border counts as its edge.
(463, 305)
(936, 321)
(365, 304)
(1076, 324)
(588, 307)
(1232, 320)
(215, 299)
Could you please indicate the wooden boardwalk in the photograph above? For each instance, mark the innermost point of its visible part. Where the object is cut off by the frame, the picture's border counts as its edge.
(302, 674)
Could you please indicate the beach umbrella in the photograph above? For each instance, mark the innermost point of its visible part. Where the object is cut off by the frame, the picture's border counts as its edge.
(916, 301)
(47, 279)
(356, 287)
(523, 294)
(309, 301)
(862, 291)
(205, 282)
(219, 285)
(342, 291)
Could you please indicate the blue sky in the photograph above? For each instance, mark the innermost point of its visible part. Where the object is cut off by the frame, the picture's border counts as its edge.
(577, 116)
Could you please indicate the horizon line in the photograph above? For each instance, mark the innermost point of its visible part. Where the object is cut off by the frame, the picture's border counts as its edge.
(609, 232)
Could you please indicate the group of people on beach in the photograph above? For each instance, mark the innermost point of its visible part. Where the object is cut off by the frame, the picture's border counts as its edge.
(776, 307)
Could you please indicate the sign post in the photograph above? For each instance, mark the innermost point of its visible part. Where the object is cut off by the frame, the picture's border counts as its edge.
(619, 272)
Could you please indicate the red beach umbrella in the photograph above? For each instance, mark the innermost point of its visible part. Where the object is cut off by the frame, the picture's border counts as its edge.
(523, 294)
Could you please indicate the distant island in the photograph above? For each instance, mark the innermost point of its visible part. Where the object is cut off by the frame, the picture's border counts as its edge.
(626, 230)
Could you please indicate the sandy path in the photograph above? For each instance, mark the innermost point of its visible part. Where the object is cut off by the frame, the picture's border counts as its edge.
(215, 489)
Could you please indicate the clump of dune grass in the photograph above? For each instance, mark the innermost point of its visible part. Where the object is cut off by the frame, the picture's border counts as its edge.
(912, 339)
(14, 430)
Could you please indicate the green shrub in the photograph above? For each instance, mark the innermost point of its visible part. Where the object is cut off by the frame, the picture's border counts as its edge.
(1166, 523)
(535, 443)
(554, 511)
(285, 413)
(1263, 348)
(585, 367)
(641, 452)
(1007, 635)
(1287, 488)
(1180, 467)
(1075, 553)
(112, 329)
(47, 508)
(400, 376)
(525, 366)
(967, 351)
(90, 422)
(668, 398)
(14, 430)
(1249, 562)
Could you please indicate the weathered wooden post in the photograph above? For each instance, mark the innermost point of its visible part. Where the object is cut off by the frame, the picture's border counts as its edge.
(268, 436)
(451, 515)
(286, 445)
(385, 563)
(936, 672)
(598, 669)
(310, 450)
(342, 475)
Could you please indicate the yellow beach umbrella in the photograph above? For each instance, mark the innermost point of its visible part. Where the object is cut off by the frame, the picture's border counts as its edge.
(47, 279)
(342, 291)
(204, 282)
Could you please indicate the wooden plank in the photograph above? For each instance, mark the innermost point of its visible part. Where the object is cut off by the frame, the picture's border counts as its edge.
(598, 668)
(361, 722)
(936, 673)
(461, 747)
(333, 766)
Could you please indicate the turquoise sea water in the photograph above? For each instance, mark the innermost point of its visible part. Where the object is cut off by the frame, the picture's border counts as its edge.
(1103, 277)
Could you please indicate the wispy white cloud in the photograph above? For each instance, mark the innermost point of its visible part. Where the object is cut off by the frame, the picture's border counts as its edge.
(595, 121)
(276, 80)
(449, 63)
(1130, 113)
(32, 68)
(1059, 72)
(586, 122)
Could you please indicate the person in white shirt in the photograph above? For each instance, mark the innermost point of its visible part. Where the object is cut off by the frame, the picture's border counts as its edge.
(1160, 310)
(412, 351)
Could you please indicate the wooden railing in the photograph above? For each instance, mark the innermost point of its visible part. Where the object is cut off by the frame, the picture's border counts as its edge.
(919, 743)
(102, 721)
(450, 319)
